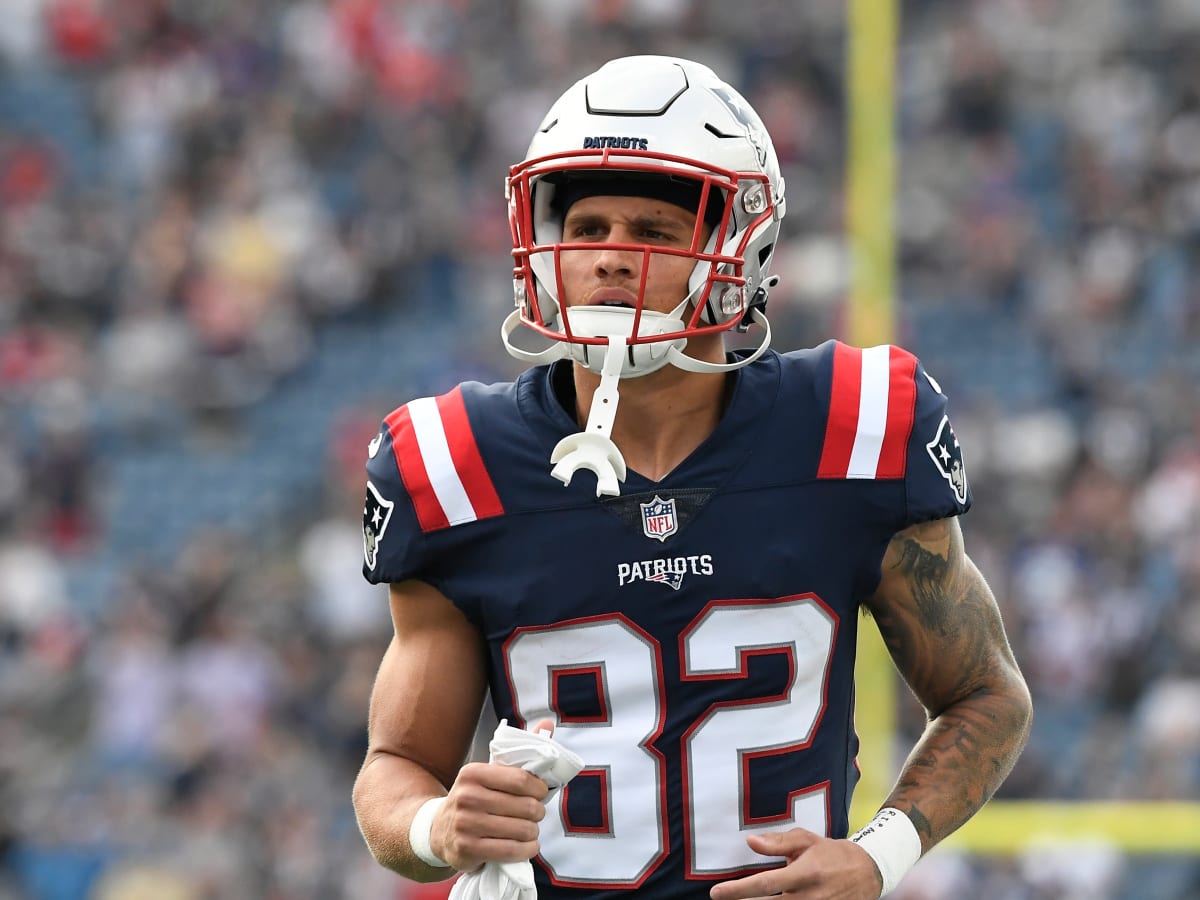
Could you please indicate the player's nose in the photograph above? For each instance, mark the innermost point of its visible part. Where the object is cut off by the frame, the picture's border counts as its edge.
(614, 259)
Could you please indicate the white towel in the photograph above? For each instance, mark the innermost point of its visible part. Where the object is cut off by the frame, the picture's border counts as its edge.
(550, 761)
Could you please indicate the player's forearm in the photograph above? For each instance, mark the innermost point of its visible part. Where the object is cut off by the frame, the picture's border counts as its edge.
(942, 627)
(387, 793)
(964, 755)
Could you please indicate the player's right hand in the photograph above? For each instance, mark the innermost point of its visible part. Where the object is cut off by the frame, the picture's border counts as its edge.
(490, 815)
(816, 868)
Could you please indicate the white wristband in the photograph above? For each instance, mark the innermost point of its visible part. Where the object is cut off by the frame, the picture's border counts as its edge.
(419, 831)
(891, 840)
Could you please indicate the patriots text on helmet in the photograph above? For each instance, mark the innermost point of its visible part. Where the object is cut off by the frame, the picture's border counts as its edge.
(615, 142)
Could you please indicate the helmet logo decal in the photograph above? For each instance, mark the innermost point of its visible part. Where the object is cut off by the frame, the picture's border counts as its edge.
(658, 518)
(746, 117)
(615, 142)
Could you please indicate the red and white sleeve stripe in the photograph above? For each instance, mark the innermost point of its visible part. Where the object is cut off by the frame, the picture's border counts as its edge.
(440, 462)
(871, 412)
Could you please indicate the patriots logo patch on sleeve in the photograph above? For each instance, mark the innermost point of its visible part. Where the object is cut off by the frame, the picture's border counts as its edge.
(377, 512)
(946, 454)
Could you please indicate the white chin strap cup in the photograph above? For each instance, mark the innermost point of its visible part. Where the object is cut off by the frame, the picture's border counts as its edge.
(593, 448)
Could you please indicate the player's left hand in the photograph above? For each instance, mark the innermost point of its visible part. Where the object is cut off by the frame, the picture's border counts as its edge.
(817, 868)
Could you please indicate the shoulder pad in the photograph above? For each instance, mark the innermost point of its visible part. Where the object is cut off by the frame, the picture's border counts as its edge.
(872, 406)
(440, 463)
(425, 474)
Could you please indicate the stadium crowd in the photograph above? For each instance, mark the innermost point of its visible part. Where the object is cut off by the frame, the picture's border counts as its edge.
(192, 192)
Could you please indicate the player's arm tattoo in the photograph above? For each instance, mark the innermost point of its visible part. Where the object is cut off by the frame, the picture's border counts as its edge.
(941, 625)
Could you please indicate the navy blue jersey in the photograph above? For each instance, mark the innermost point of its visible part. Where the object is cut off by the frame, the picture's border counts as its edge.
(693, 638)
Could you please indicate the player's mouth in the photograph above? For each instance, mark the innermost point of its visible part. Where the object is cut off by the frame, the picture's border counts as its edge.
(613, 298)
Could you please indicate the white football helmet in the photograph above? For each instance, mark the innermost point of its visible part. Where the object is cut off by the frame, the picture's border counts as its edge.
(668, 124)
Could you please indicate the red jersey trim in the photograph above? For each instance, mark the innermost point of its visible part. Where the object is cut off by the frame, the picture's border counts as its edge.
(468, 461)
(440, 463)
(901, 415)
(872, 408)
(841, 424)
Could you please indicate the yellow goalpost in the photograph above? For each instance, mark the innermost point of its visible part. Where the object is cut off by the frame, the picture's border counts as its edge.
(1002, 827)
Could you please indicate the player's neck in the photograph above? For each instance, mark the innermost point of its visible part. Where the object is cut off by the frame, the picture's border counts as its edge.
(661, 418)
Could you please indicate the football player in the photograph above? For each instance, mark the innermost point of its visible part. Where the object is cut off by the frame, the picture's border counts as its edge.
(664, 548)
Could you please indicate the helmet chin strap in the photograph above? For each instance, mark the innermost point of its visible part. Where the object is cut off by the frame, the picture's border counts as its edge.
(557, 350)
(680, 360)
(593, 448)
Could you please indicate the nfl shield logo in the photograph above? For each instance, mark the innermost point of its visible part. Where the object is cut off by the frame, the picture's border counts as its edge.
(658, 518)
